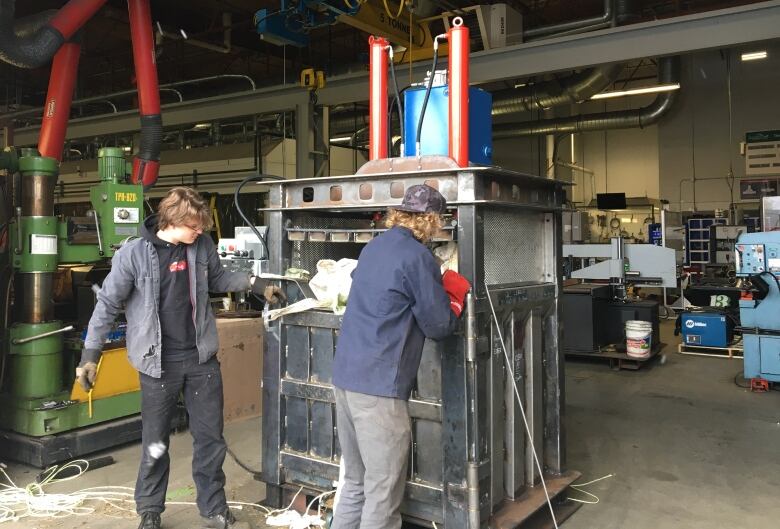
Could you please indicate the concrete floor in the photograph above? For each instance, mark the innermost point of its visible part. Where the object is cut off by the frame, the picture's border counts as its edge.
(687, 448)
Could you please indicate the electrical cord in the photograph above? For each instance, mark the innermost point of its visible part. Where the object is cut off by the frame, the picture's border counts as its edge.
(240, 463)
(736, 380)
(777, 282)
(253, 178)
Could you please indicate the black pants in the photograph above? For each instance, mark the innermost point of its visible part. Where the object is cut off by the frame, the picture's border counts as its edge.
(202, 388)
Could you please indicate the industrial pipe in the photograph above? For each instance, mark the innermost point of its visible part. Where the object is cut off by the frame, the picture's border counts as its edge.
(377, 102)
(56, 110)
(570, 90)
(33, 41)
(146, 164)
(458, 37)
(604, 17)
(668, 72)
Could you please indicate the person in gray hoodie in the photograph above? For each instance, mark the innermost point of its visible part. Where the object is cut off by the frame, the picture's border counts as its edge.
(162, 282)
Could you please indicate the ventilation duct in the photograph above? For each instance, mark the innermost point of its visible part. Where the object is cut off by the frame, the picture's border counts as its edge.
(570, 90)
(668, 72)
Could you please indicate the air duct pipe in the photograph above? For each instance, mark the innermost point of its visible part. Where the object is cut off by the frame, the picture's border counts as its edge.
(570, 90)
(33, 41)
(146, 164)
(668, 72)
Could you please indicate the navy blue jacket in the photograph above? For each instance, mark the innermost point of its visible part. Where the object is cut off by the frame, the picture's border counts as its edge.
(395, 302)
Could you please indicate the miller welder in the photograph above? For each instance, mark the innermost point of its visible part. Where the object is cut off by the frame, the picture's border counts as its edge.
(707, 328)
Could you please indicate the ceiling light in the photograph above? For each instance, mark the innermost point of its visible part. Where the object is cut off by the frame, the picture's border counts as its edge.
(636, 91)
(340, 139)
(754, 55)
(202, 126)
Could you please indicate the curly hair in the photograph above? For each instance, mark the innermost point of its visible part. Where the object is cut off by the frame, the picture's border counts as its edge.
(183, 205)
(423, 225)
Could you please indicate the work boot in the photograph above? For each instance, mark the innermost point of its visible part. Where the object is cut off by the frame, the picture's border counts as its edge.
(226, 520)
(150, 520)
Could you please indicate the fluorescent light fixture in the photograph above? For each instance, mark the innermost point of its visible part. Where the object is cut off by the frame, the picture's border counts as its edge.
(127, 148)
(637, 91)
(754, 55)
(340, 139)
(202, 126)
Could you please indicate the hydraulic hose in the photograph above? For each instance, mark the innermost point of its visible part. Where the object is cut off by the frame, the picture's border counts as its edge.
(428, 88)
(253, 178)
(397, 103)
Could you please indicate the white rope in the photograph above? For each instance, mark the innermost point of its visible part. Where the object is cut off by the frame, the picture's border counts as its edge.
(33, 501)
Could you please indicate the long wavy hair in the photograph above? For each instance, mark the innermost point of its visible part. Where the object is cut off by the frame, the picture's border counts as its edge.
(422, 225)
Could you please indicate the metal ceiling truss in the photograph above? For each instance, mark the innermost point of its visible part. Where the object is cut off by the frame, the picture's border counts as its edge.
(674, 36)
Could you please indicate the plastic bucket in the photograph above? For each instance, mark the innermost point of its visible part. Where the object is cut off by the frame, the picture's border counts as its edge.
(639, 338)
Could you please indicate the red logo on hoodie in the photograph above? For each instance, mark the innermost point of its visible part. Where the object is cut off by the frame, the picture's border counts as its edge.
(178, 266)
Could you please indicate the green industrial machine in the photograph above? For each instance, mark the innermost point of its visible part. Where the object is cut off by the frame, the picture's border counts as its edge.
(40, 401)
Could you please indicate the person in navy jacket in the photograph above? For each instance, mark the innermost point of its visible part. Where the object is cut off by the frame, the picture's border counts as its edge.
(398, 299)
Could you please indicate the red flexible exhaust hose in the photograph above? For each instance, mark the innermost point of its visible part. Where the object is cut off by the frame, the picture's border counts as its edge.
(377, 120)
(56, 111)
(73, 15)
(146, 164)
(458, 38)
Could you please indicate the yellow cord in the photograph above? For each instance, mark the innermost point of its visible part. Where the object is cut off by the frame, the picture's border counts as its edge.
(400, 10)
(89, 393)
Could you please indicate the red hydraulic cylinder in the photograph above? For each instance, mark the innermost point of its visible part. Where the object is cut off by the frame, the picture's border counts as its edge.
(73, 15)
(59, 97)
(458, 37)
(377, 118)
(146, 164)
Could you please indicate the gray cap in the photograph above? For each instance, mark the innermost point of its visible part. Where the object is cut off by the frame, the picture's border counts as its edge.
(422, 199)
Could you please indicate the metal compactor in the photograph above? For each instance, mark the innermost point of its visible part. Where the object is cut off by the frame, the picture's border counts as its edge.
(470, 455)
(471, 461)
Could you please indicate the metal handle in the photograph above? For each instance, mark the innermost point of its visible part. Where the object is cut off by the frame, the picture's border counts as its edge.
(20, 341)
(19, 245)
(97, 226)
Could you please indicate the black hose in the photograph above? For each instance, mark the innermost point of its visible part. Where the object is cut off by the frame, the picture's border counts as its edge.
(398, 105)
(427, 95)
(241, 463)
(253, 178)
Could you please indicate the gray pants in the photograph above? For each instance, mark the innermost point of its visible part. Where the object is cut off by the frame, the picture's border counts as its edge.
(375, 435)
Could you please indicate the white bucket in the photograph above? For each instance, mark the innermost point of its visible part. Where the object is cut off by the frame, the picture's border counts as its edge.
(639, 338)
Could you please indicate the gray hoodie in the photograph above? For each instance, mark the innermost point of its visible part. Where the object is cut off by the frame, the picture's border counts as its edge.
(133, 284)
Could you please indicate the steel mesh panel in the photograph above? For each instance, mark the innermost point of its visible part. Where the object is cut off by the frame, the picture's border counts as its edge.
(306, 254)
(514, 246)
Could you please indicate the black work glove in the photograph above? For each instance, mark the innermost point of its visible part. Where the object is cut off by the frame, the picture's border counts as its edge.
(271, 293)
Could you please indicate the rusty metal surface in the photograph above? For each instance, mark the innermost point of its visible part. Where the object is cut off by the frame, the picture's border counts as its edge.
(511, 515)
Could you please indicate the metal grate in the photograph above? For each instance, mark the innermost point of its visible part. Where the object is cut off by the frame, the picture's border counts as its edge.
(305, 254)
(514, 246)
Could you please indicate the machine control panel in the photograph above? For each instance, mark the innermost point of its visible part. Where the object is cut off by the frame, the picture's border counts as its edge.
(757, 258)
(126, 215)
(244, 253)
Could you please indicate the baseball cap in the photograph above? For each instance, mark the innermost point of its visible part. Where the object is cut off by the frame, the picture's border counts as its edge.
(422, 199)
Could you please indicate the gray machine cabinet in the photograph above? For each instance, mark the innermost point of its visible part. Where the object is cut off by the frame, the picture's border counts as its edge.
(470, 455)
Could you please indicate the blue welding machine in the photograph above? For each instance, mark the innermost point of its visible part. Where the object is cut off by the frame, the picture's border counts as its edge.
(706, 329)
(434, 136)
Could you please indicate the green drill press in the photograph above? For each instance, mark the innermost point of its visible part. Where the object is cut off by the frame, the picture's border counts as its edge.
(45, 416)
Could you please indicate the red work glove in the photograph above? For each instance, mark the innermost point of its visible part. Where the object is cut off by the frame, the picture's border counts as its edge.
(456, 286)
